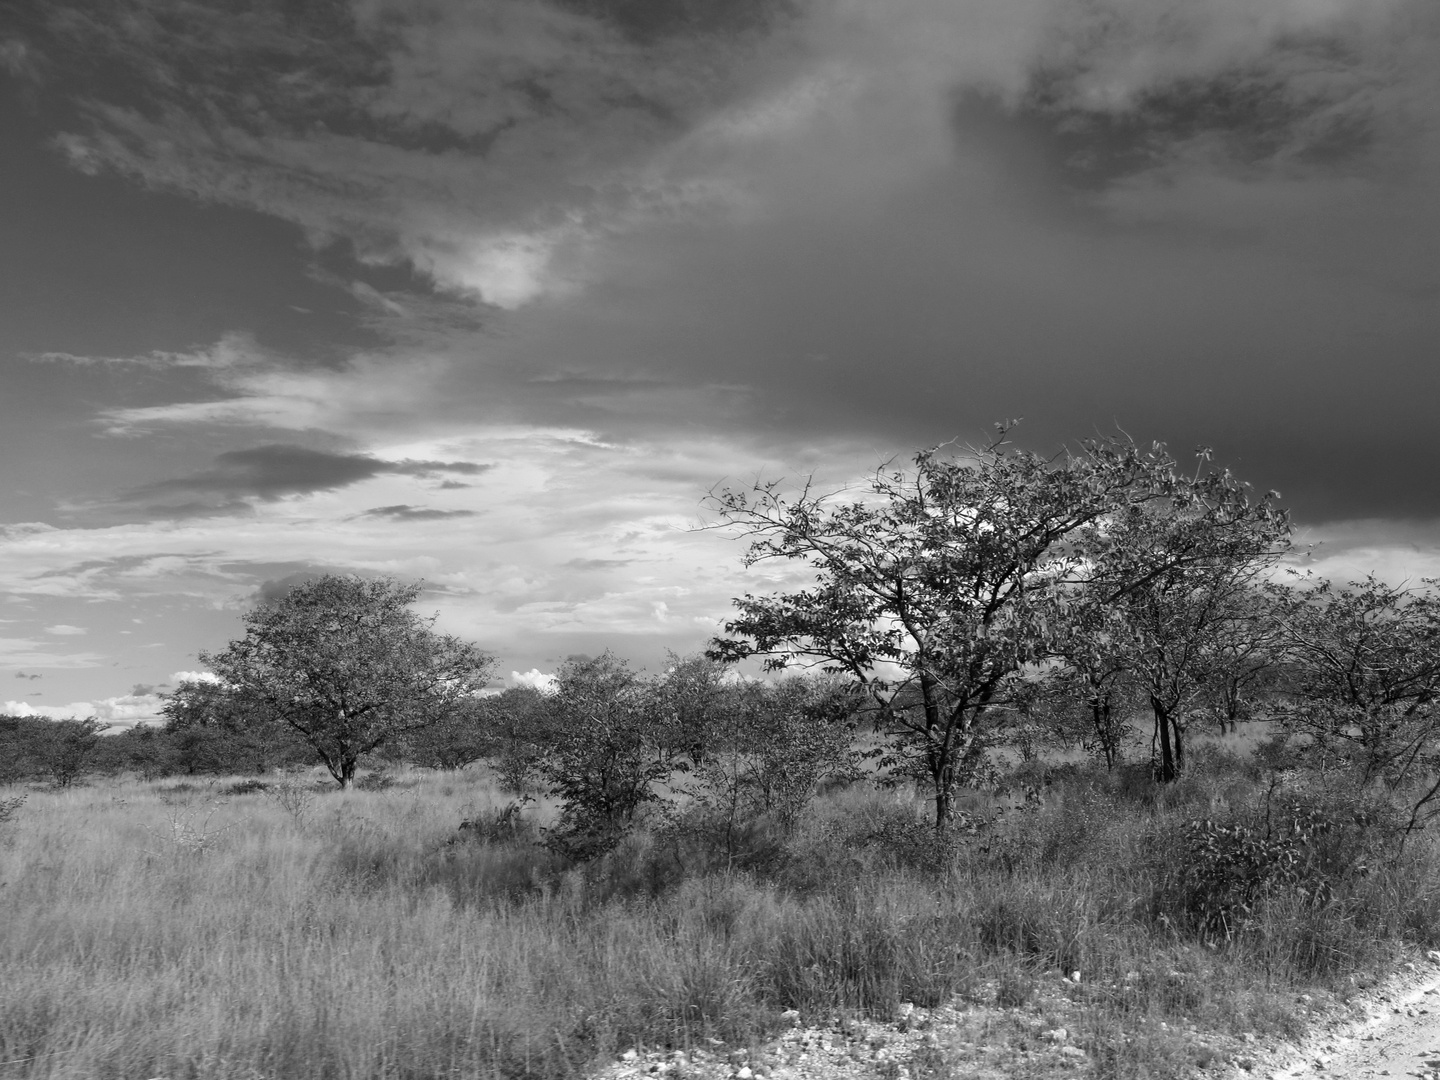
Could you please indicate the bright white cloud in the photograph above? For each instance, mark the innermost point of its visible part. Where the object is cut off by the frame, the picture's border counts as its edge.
(1346, 551)
(116, 713)
(544, 681)
(177, 677)
(572, 536)
(65, 630)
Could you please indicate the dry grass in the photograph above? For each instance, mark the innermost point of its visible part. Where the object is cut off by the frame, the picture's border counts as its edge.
(154, 930)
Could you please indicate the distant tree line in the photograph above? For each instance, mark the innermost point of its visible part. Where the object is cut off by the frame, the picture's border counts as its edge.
(971, 604)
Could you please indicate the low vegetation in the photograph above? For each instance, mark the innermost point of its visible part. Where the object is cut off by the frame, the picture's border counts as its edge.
(230, 929)
(1056, 718)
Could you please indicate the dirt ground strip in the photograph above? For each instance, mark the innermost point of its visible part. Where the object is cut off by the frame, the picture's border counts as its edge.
(978, 1042)
(1391, 1030)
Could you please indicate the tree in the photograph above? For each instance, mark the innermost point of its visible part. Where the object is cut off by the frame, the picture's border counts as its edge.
(691, 700)
(1362, 668)
(1250, 659)
(771, 746)
(468, 732)
(799, 734)
(146, 749)
(601, 759)
(65, 746)
(1094, 681)
(346, 664)
(1176, 586)
(939, 587)
(521, 725)
(218, 729)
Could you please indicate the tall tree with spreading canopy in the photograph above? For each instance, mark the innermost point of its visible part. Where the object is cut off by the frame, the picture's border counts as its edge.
(344, 662)
(1362, 683)
(1177, 582)
(938, 588)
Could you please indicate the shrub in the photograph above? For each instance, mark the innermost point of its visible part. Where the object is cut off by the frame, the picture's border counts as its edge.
(376, 781)
(8, 808)
(601, 756)
(247, 787)
(1233, 866)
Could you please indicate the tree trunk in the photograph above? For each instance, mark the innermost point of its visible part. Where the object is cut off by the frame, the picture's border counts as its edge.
(942, 768)
(944, 798)
(1100, 713)
(1168, 769)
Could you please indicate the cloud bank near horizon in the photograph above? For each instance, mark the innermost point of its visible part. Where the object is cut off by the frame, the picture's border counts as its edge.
(585, 260)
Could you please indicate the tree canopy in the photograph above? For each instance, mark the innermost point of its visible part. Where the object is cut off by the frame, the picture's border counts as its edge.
(938, 588)
(344, 662)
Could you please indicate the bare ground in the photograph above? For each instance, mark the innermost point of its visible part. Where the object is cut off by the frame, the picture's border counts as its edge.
(1392, 1030)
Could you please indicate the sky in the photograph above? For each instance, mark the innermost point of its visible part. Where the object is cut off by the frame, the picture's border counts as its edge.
(491, 293)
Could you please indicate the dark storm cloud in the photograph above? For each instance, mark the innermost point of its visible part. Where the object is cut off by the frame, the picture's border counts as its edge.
(405, 512)
(273, 471)
(1246, 122)
(384, 107)
(1309, 104)
(1203, 221)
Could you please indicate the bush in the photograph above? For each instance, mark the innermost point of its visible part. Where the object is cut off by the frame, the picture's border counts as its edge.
(602, 758)
(247, 787)
(9, 807)
(376, 781)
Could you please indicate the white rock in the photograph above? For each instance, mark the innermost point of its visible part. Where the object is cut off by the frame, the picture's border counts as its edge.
(1433, 956)
(744, 1073)
(1072, 1051)
(791, 1017)
(1059, 1035)
(629, 1055)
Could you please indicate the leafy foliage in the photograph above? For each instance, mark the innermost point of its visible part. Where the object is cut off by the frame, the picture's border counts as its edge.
(773, 747)
(346, 664)
(940, 588)
(459, 737)
(9, 807)
(1174, 594)
(216, 729)
(1232, 867)
(1363, 684)
(602, 758)
(65, 746)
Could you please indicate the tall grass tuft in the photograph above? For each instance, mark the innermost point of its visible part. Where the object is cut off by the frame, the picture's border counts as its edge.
(152, 930)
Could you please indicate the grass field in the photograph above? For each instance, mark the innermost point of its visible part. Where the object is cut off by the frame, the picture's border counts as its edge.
(180, 930)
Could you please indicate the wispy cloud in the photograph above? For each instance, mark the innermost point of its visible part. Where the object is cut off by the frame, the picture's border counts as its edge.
(28, 653)
(115, 713)
(275, 470)
(646, 246)
(406, 512)
(264, 390)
